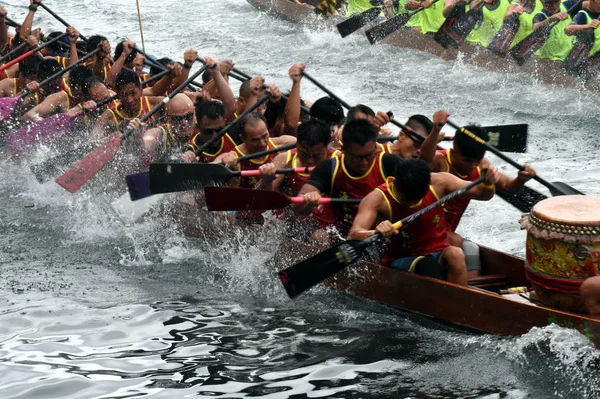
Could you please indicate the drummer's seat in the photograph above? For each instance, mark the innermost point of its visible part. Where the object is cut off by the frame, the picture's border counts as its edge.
(491, 282)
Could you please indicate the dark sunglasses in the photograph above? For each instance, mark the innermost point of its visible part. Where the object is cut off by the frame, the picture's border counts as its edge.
(180, 119)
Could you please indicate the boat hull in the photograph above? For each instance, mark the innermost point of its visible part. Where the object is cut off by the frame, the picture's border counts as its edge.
(540, 70)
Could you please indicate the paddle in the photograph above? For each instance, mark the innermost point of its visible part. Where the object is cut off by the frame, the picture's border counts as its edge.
(30, 52)
(23, 139)
(191, 176)
(357, 21)
(59, 19)
(13, 51)
(388, 27)
(524, 200)
(506, 138)
(12, 23)
(303, 275)
(86, 168)
(229, 199)
(505, 35)
(173, 177)
(458, 25)
(8, 104)
(554, 189)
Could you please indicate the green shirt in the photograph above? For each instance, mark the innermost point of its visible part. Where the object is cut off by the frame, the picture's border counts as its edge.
(358, 6)
(526, 23)
(492, 22)
(559, 44)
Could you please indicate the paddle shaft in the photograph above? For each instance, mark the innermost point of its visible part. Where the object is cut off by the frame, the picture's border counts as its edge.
(12, 23)
(231, 124)
(13, 51)
(266, 152)
(388, 27)
(62, 72)
(30, 52)
(158, 65)
(501, 155)
(59, 19)
(286, 171)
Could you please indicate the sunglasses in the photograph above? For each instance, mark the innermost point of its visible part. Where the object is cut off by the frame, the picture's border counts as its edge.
(183, 118)
(369, 157)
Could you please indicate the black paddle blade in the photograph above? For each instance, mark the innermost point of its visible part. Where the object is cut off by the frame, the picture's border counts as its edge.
(509, 138)
(504, 37)
(138, 185)
(457, 33)
(524, 200)
(303, 275)
(561, 188)
(357, 21)
(386, 28)
(441, 36)
(174, 177)
(532, 43)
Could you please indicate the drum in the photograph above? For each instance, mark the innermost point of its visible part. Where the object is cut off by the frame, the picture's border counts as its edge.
(563, 248)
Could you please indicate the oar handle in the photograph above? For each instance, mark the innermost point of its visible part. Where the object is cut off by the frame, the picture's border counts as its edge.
(30, 52)
(156, 77)
(266, 152)
(326, 90)
(501, 155)
(287, 171)
(11, 22)
(58, 18)
(231, 124)
(13, 51)
(325, 201)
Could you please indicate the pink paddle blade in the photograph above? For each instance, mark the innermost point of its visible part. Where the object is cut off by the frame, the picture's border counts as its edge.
(22, 140)
(7, 106)
(85, 169)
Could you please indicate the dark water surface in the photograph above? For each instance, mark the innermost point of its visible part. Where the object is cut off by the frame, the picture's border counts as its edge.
(93, 308)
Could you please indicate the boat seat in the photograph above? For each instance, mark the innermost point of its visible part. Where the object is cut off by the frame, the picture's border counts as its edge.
(492, 282)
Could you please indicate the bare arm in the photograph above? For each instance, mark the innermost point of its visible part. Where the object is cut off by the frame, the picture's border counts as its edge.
(222, 86)
(439, 163)
(507, 184)
(284, 140)
(446, 183)
(574, 28)
(104, 124)
(429, 147)
(119, 63)
(73, 36)
(365, 219)
(267, 182)
(291, 113)
(51, 105)
(28, 22)
(3, 28)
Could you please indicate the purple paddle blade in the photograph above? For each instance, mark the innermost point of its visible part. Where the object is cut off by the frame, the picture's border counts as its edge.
(138, 185)
(21, 140)
(7, 106)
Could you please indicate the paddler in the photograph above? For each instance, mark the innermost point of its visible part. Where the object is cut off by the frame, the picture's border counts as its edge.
(559, 44)
(4, 36)
(524, 11)
(427, 21)
(493, 18)
(255, 137)
(84, 91)
(465, 160)
(585, 27)
(360, 168)
(27, 73)
(422, 246)
(131, 105)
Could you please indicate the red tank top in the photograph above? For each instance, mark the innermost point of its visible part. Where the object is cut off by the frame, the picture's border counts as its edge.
(456, 207)
(343, 185)
(293, 183)
(226, 144)
(121, 121)
(253, 164)
(424, 236)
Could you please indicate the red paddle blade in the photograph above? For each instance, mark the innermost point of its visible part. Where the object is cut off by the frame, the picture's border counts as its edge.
(84, 170)
(238, 199)
(7, 106)
(22, 140)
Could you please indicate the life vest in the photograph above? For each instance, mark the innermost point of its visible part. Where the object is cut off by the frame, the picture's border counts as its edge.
(526, 23)
(559, 44)
(596, 45)
(493, 19)
(226, 144)
(253, 164)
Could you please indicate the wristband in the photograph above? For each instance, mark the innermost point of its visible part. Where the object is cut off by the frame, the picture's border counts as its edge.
(186, 66)
(32, 8)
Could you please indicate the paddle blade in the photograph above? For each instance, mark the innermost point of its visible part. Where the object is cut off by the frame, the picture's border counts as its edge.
(561, 188)
(504, 37)
(509, 138)
(22, 140)
(138, 185)
(524, 200)
(130, 212)
(303, 275)
(532, 43)
(74, 178)
(229, 199)
(7, 106)
(356, 22)
(174, 177)
(386, 28)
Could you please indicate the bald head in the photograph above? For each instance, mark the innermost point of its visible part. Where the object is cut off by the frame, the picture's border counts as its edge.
(180, 105)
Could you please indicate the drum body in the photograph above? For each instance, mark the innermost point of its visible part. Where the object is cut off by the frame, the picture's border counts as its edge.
(563, 248)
